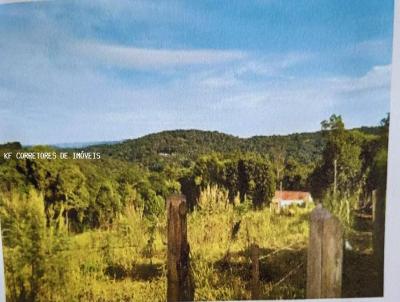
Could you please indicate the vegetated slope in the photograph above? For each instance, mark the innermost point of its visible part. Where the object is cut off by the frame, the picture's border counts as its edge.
(186, 145)
(189, 144)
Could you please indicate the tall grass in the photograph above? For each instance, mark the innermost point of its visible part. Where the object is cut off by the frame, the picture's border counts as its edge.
(343, 207)
(127, 261)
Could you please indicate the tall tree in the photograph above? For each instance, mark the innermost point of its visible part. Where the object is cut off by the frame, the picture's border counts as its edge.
(341, 159)
(278, 154)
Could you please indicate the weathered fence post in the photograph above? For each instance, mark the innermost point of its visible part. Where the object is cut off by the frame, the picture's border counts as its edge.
(378, 237)
(180, 285)
(325, 255)
(373, 199)
(255, 272)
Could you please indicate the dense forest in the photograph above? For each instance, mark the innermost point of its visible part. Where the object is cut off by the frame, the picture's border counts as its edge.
(50, 206)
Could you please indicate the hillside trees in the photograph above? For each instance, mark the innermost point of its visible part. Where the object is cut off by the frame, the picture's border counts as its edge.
(183, 147)
(67, 194)
(34, 249)
(378, 157)
(90, 193)
(256, 179)
(339, 171)
(87, 193)
(353, 165)
(249, 175)
(104, 207)
(23, 224)
(296, 175)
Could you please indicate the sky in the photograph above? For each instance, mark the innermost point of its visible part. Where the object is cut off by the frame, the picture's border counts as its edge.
(86, 71)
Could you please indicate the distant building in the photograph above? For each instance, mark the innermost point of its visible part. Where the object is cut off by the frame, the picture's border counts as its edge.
(284, 199)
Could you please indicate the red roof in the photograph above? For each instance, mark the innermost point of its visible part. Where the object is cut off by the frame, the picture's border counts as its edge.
(292, 195)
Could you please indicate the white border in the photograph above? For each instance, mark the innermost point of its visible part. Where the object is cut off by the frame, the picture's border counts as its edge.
(2, 283)
(392, 236)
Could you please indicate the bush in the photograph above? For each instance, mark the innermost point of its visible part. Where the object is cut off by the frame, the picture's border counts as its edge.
(35, 254)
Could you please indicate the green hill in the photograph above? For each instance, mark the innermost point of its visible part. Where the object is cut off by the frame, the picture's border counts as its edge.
(181, 146)
(189, 144)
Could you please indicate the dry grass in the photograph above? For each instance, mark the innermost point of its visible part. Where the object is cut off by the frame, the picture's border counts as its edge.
(127, 262)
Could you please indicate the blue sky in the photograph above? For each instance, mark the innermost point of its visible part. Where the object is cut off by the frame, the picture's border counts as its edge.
(75, 71)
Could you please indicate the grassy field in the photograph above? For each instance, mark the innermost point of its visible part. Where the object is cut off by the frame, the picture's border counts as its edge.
(128, 261)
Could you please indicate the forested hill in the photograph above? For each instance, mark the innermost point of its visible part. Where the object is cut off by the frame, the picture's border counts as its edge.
(186, 145)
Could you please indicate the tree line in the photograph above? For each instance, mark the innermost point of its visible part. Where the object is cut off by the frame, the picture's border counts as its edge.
(45, 203)
(90, 194)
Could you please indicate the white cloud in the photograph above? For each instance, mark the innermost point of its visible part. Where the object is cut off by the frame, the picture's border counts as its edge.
(378, 77)
(273, 65)
(219, 81)
(239, 73)
(149, 58)
(355, 97)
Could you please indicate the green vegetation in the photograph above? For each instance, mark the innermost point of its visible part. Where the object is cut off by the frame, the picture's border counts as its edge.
(95, 230)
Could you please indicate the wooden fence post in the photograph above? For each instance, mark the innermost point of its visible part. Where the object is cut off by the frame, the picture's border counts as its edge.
(180, 285)
(325, 255)
(378, 237)
(373, 199)
(255, 272)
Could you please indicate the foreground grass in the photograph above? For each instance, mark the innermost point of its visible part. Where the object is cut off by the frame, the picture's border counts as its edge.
(127, 262)
(221, 259)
